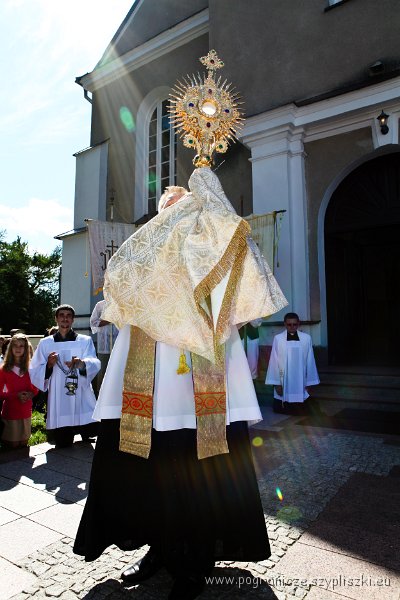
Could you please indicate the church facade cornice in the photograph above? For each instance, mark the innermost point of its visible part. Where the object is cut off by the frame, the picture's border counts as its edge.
(162, 44)
(341, 114)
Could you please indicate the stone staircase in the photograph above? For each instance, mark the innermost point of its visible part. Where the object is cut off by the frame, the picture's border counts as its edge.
(376, 388)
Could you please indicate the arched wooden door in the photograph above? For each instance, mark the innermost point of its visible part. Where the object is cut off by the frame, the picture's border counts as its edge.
(362, 263)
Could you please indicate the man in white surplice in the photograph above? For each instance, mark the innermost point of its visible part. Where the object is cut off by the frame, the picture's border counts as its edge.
(53, 358)
(292, 367)
(106, 336)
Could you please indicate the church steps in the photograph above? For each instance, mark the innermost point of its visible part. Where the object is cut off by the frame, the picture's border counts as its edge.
(359, 394)
(362, 381)
(361, 388)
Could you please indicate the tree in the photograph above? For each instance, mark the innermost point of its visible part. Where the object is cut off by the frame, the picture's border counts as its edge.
(28, 287)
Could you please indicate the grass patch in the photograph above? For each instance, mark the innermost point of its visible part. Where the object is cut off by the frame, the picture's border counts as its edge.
(38, 429)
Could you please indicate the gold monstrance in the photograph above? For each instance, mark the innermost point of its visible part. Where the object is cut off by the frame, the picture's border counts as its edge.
(205, 112)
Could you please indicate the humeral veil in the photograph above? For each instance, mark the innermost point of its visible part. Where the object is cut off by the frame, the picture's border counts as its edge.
(188, 278)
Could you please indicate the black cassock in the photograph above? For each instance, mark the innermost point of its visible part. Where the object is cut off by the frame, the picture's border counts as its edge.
(192, 512)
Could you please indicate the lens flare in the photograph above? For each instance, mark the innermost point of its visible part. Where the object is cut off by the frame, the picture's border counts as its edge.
(257, 441)
(289, 514)
(279, 494)
(152, 182)
(127, 119)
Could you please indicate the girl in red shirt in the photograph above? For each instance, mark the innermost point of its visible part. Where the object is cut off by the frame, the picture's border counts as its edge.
(17, 391)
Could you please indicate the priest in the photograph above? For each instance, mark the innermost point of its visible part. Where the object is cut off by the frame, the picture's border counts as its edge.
(56, 358)
(291, 369)
(173, 467)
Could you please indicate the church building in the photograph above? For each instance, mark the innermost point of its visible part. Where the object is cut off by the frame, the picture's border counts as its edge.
(320, 83)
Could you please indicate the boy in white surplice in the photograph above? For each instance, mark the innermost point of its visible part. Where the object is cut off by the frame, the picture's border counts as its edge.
(292, 367)
(67, 413)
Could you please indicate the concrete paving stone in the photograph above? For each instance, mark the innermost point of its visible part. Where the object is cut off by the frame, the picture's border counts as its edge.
(39, 568)
(66, 570)
(63, 518)
(258, 568)
(22, 499)
(13, 579)
(40, 477)
(40, 449)
(358, 542)
(74, 491)
(32, 589)
(68, 595)
(55, 590)
(6, 516)
(34, 537)
(79, 450)
(317, 593)
(72, 466)
(338, 573)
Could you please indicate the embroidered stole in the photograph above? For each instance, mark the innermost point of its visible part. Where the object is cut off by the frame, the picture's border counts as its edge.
(137, 403)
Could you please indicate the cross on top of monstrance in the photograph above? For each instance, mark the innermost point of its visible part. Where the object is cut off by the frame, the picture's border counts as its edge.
(205, 111)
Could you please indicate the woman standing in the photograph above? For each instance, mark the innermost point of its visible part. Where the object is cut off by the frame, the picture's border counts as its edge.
(17, 391)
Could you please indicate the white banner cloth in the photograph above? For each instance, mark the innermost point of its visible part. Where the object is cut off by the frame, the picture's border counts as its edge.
(105, 237)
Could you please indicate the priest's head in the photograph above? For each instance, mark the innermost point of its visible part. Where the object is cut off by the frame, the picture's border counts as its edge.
(172, 194)
(291, 322)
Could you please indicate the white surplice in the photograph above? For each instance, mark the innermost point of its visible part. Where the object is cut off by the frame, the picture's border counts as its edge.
(292, 365)
(107, 334)
(173, 398)
(253, 350)
(64, 410)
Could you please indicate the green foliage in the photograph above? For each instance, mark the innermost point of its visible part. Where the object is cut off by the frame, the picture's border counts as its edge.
(28, 287)
(38, 435)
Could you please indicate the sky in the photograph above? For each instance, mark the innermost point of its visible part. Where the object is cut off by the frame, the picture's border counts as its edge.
(44, 118)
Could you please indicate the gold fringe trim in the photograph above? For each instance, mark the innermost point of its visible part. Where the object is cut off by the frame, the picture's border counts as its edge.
(236, 245)
(231, 289)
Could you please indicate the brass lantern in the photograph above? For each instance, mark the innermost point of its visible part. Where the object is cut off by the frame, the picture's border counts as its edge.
(71, 382)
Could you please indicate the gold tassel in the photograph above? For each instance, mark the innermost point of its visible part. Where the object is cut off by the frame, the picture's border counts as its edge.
(183, 366)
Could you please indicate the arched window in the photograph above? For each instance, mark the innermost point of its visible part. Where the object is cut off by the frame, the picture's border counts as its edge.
(161, 160)
(155, 152)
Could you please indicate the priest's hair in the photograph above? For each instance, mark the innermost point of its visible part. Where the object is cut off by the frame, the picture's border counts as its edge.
(178, 189)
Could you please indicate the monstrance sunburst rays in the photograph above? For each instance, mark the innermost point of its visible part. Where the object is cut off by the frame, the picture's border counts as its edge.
(205, 111)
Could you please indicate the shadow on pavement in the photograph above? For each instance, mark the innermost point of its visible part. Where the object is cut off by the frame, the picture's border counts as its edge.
(225, 583)
(362, 521)
(63, 474)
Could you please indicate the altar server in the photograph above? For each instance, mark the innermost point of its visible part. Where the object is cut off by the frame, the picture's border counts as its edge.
(292, 367)
(60, 362)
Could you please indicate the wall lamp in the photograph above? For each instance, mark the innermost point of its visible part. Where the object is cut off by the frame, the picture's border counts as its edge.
(383, 117)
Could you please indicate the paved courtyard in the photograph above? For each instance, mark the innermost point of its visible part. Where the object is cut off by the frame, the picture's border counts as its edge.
(331, 500)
